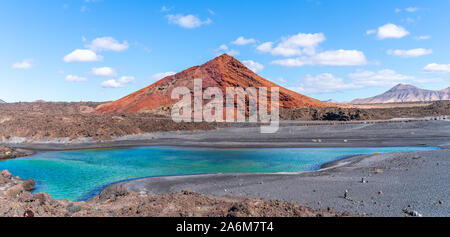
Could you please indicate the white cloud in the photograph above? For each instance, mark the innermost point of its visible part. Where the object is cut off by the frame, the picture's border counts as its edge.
(165, 9)
(341, 57)
(294, 45)
(104, 72)
(82, 55)
(111, 84)
(322, 83)
(25, 64)
(385, 77)
(73, 78)
(422, 37)
(369, 32)
(254, 66)
(440, 68)
(243, 41)
(390, 31)
(187, 21)
(224, 49)
(330, 58)
(408, 9)
(410, 53)
(265, 47)
(126, 80)
(161, 75)
(411, 9)
(305, 46)
(107, 44)
(327, 82)
(121, 82)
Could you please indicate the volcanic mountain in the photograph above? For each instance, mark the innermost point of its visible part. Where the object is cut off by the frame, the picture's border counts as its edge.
(406, 93)
(222, 72)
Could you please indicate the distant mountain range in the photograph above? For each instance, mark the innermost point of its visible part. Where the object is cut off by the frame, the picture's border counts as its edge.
(1, 102)
(330, 101)
(405, 93)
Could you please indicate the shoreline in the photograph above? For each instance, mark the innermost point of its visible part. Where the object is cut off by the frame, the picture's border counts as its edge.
(325, 187)
(396, 181)
(36, 148)
(318, 190)
(335, 163)
(338, 162)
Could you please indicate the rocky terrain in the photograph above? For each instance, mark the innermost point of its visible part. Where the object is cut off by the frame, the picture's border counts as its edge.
(11, 153)
(16, 200)
(406, 93)
(346, 114)
(63, 122)
(59, 122)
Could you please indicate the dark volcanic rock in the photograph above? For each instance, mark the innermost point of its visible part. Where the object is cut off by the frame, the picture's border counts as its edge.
(346, 114)
(51, 120)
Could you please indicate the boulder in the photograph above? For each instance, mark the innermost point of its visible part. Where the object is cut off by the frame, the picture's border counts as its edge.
(113, 191)
(6, 174)
(28, 185)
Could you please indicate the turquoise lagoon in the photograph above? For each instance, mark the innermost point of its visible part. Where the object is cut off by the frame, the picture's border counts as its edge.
(78, 175)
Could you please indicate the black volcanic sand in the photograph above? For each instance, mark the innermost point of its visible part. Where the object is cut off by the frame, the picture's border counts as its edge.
(396, 182)
(290, 134)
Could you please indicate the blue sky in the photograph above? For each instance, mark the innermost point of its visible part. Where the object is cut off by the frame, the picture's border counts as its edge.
(100, 50)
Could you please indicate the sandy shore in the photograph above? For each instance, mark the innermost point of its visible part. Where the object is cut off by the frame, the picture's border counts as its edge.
(414, 181)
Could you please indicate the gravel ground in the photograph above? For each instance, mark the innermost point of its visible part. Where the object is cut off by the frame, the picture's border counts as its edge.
(290, 134)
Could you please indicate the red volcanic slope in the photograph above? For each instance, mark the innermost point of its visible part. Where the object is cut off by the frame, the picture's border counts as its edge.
(223, 71)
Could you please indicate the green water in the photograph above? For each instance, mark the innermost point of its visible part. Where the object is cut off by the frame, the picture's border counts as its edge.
(78, 175)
